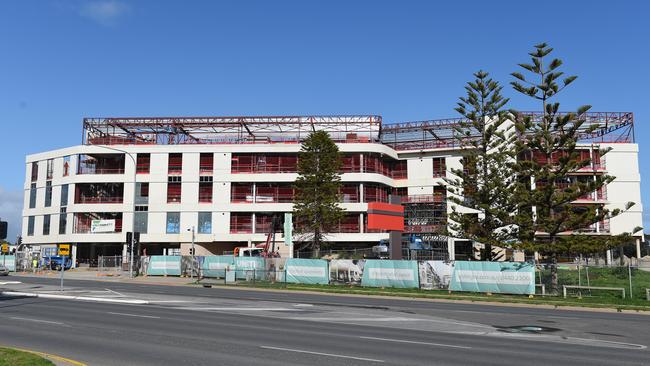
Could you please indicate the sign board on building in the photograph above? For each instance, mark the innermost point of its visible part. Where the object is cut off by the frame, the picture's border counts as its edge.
(64, 249)
(102, 226)
(385, 216)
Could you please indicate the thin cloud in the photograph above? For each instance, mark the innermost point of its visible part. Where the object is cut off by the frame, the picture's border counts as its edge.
(11, 206)
(104, 12)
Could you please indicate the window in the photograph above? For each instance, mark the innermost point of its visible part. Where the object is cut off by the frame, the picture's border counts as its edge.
(241, 222)
(64, 195)
(66, 165)
(99, 193)
(206, 165)
(439, 167)
(141, 219)
(63, 220)
(48, 193)
(34, 171)
(32, 195)
(50, 168)
(205, 192)
(30, 226)
(141, 193)
(175, 165)
(205, 223)
(173, 222)
(350, 193)
(241, 192)
(143, 163)
(100, 164)
(46, 225)
(174, 192)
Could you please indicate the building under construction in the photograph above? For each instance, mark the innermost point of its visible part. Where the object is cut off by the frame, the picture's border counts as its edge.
(225, 179)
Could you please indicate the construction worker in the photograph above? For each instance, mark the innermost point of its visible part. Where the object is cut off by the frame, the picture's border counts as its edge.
(34, 264)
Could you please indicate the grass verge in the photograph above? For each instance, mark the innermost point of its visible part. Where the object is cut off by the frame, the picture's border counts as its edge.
(610, 302)
(12, 357)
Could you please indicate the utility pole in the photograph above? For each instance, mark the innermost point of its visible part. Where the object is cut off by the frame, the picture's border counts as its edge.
(193, 258)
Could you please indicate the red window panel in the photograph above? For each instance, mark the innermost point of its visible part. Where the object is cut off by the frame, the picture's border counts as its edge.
(350, 193)
(241, 163)
(351, 163)
(241, 193)
(266, 194)
(263, 223)
(349, 224)
(373, 193)
(285, 194)
(241, 222)
(439, 167)
(173, 192)
(205, 192)
(206, 164)
(175, 165)
(399, 170)
(143, 163)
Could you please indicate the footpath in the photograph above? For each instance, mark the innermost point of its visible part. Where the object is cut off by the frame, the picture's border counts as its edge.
(582, 304)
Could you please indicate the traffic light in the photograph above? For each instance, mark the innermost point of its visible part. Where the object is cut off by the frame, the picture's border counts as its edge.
(3, 230)
(129, 237)
(19, 240)
(136, 237)
(191, 251)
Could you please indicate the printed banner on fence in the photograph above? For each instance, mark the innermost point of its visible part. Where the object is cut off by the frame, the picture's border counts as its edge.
(310, 271)
(497, 277)
(9, 261)
(435, 274)
(347, 271)
(160, 265)
(246, 267)
(388, 273)
(216, 265)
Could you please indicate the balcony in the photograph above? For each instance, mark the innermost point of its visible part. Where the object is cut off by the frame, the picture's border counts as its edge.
(99, 193)
(101, 164)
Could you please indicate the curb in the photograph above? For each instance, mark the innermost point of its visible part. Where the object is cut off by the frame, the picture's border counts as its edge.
(69, 297)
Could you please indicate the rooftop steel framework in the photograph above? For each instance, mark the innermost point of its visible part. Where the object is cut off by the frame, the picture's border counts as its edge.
(229, 130)
(611, 127)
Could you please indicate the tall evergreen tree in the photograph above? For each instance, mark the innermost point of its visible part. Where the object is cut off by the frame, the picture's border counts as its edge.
(485, 183)
(548, 155)
(316, 205)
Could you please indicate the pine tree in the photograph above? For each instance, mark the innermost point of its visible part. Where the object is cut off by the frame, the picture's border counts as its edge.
(316, 205)
(548, 153)
(486, 182)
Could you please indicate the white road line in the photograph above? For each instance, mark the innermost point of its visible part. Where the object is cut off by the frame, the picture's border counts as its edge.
(135, 315)
(303, 305)
(10, 283)
(167, 301)
(238, 309)
(415, 342)
(36, 320)
(321, 354)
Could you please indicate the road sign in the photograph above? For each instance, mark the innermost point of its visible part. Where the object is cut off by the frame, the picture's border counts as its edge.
(64, 249)
(5, 248)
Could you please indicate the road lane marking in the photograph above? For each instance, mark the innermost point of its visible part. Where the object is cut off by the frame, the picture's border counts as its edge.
(135, 315)
(322, 354)
(237, 309)
(303, 305)
(36, 320)
(10, 283)
(415, 342)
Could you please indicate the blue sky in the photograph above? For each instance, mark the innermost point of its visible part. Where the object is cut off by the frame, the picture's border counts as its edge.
(405, 60)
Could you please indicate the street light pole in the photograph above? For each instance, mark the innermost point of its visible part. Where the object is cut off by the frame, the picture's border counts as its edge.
(193, 257)
(135, 168)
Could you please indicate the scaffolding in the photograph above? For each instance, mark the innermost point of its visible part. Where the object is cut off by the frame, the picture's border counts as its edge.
(425, 218)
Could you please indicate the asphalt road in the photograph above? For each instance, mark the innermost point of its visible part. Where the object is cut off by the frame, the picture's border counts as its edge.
(198, 326)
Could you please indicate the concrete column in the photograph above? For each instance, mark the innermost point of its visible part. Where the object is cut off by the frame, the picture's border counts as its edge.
(451, 249)
(74, 255)
(608, 258)
(361, 192)
(638, 248)
(395, 244)
(361, 222)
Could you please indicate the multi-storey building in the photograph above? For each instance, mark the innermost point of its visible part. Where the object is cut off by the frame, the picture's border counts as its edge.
(225, 178)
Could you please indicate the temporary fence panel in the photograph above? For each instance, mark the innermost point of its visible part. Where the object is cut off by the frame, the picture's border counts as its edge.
(160, 265)
(9, 261)
(309, 271)
(389, 273)
(247, 266)
(347, 271)
(435, 274)
(496, 277)
(216, 265)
